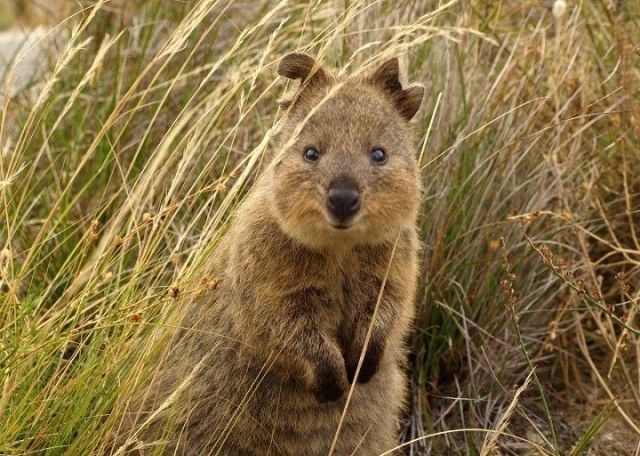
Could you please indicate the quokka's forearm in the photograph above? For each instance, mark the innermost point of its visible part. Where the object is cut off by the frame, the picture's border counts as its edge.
(381, 327)
(378, 320)
(300, 346)
(314, 359)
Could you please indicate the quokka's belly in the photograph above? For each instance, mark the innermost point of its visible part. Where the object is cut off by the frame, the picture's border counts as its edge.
(280, 419)
(235, 406)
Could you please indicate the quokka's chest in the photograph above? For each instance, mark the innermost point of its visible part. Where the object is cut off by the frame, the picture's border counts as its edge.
(356, 286)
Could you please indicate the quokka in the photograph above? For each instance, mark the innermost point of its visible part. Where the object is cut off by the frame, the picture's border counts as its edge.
(268, 357)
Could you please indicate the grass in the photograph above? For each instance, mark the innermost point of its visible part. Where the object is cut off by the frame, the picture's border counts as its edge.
(120, 169)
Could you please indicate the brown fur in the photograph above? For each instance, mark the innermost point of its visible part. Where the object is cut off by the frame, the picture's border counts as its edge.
(270, 354)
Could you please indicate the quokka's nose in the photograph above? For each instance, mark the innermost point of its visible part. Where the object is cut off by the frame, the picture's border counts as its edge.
(343, 198)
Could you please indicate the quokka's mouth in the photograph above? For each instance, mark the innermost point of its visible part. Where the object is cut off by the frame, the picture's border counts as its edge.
(341, 226)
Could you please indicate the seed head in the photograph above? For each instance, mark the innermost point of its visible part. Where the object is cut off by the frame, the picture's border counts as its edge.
(559, 8)
(174, 291)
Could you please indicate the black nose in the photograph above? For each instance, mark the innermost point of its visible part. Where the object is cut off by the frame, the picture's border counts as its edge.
(343, 199)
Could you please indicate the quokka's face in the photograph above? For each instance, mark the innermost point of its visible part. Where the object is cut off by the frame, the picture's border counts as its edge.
(348, 172)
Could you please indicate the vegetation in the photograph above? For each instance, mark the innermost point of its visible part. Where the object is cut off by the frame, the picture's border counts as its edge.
(121, 167)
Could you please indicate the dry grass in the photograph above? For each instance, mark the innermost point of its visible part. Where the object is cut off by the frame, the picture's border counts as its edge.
(120, 170)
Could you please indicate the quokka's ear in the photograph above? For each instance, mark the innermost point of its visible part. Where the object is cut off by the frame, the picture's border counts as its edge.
(407, 101)
(303, 67)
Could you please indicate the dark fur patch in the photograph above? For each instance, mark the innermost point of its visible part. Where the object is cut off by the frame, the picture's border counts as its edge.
(328, 387)
(370, 364)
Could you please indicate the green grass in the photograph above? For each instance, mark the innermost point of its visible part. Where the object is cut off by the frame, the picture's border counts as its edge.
(120, 169)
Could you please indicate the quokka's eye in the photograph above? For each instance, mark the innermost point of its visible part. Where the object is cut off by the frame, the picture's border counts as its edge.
(311, 155)
(378, 156)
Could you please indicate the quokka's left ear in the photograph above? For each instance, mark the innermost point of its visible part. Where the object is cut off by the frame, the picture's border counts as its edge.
(407, 101)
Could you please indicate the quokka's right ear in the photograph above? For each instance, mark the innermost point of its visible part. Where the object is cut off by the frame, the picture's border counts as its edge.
(301, 67)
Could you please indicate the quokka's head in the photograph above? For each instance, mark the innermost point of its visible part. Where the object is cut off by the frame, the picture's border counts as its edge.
(347, 170)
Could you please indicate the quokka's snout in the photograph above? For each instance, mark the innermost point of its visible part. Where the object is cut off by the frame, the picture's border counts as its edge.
(343, 199)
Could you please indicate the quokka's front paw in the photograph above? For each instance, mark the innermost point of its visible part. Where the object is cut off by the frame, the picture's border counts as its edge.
(331, 382)
(370, 363)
